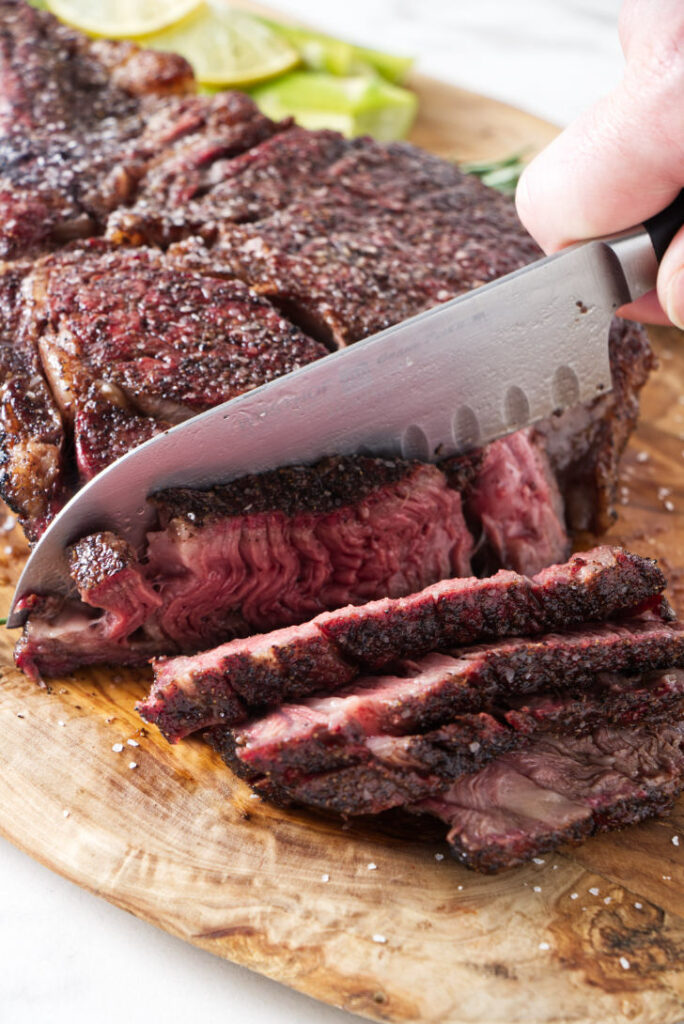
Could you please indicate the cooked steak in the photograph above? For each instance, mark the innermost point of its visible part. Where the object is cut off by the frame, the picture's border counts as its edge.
(70, 112)
(345, 265)
(512, 500)
(328, 652)
(423, 694)
(585, 443)
(247, 187)
(263, 551)
(167, 342)
(31, 435)
(560, 789)
(370, 774)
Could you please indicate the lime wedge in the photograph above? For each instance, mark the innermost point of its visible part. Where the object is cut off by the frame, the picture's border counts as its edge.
(356, 105)
(119, 19)
(226, 47)
(325, 53)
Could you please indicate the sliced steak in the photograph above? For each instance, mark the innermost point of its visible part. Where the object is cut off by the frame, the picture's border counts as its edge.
(585, 443)
(167, 342)
(31, 435)
(514, 500)
(560, 789)
(265, 551)
(346, 265)
(427, 693)
(409, 767)
(247, 187)
(70, 112)
(326, 653)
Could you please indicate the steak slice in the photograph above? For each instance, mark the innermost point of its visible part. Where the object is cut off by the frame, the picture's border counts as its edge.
(260, 552)
(70, 112)
(410, 767)
(164, 344)
(345, 265)
(512, 500)
(561, 788)
(280, 171)
(326, 653)
(31, 435)
(427, 693)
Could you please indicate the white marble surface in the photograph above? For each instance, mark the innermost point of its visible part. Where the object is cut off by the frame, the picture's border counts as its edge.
(66, 956)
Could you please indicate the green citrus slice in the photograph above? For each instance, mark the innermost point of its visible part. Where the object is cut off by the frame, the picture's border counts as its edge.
(119, 19)
(227, 47)
(358, 105)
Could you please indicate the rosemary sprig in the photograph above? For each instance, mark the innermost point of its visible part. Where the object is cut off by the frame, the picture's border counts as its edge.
(499, 174)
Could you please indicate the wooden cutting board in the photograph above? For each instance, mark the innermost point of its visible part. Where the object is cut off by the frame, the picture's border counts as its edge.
(594, 934)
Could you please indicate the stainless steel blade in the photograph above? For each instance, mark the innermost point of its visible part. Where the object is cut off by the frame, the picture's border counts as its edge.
(450, 379)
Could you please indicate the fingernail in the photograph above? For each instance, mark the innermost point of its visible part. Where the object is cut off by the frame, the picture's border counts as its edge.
(674, 299)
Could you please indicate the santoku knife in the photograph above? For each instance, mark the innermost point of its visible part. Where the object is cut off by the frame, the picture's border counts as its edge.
(466, 372)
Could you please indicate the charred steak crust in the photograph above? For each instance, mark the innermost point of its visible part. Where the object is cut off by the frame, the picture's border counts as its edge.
(31, 434)
(430, 692)
(267, 670)
(464, 745)
(338, 481)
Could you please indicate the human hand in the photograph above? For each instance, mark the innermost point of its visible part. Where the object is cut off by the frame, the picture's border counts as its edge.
(623, 160)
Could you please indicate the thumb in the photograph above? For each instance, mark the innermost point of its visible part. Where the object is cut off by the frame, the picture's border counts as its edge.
(623, 160)
(616, 165)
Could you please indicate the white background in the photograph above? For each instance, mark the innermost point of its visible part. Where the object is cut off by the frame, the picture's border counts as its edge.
(66, 956)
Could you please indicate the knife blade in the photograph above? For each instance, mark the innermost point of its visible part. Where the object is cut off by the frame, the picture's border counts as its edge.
(447, 380)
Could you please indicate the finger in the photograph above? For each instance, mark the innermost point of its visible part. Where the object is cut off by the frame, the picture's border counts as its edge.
(671, 280)
(646, 310)
(619, 163)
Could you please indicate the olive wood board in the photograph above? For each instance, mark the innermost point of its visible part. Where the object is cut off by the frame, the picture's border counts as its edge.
(592, 934)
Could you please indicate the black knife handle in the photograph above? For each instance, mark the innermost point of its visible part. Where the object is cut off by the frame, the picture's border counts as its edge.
(664, 225)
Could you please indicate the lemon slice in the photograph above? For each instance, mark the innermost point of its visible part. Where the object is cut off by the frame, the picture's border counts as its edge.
(119, 19)
(226, 47)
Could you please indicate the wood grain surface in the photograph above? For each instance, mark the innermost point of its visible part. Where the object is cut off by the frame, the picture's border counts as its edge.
(594, 934)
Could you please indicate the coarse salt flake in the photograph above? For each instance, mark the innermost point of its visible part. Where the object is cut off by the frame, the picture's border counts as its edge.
(536, 888)
(667, 878)
(669, 505)
(439, 856)
(642, 456)
(66, 813)
(594, 890)
(675, 840)
(372, 866)
(574, 895)
(607, 899)
(132, 765)
(624, 963)
(638, 906)
(132, 743)
(117, 747)
(253, 796)
(538, 860)
(61, 723)
(544, 945)
(325, 878)
(379, 938)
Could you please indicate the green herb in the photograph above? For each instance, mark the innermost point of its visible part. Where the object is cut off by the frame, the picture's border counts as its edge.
(502, 175)
(3, 622)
